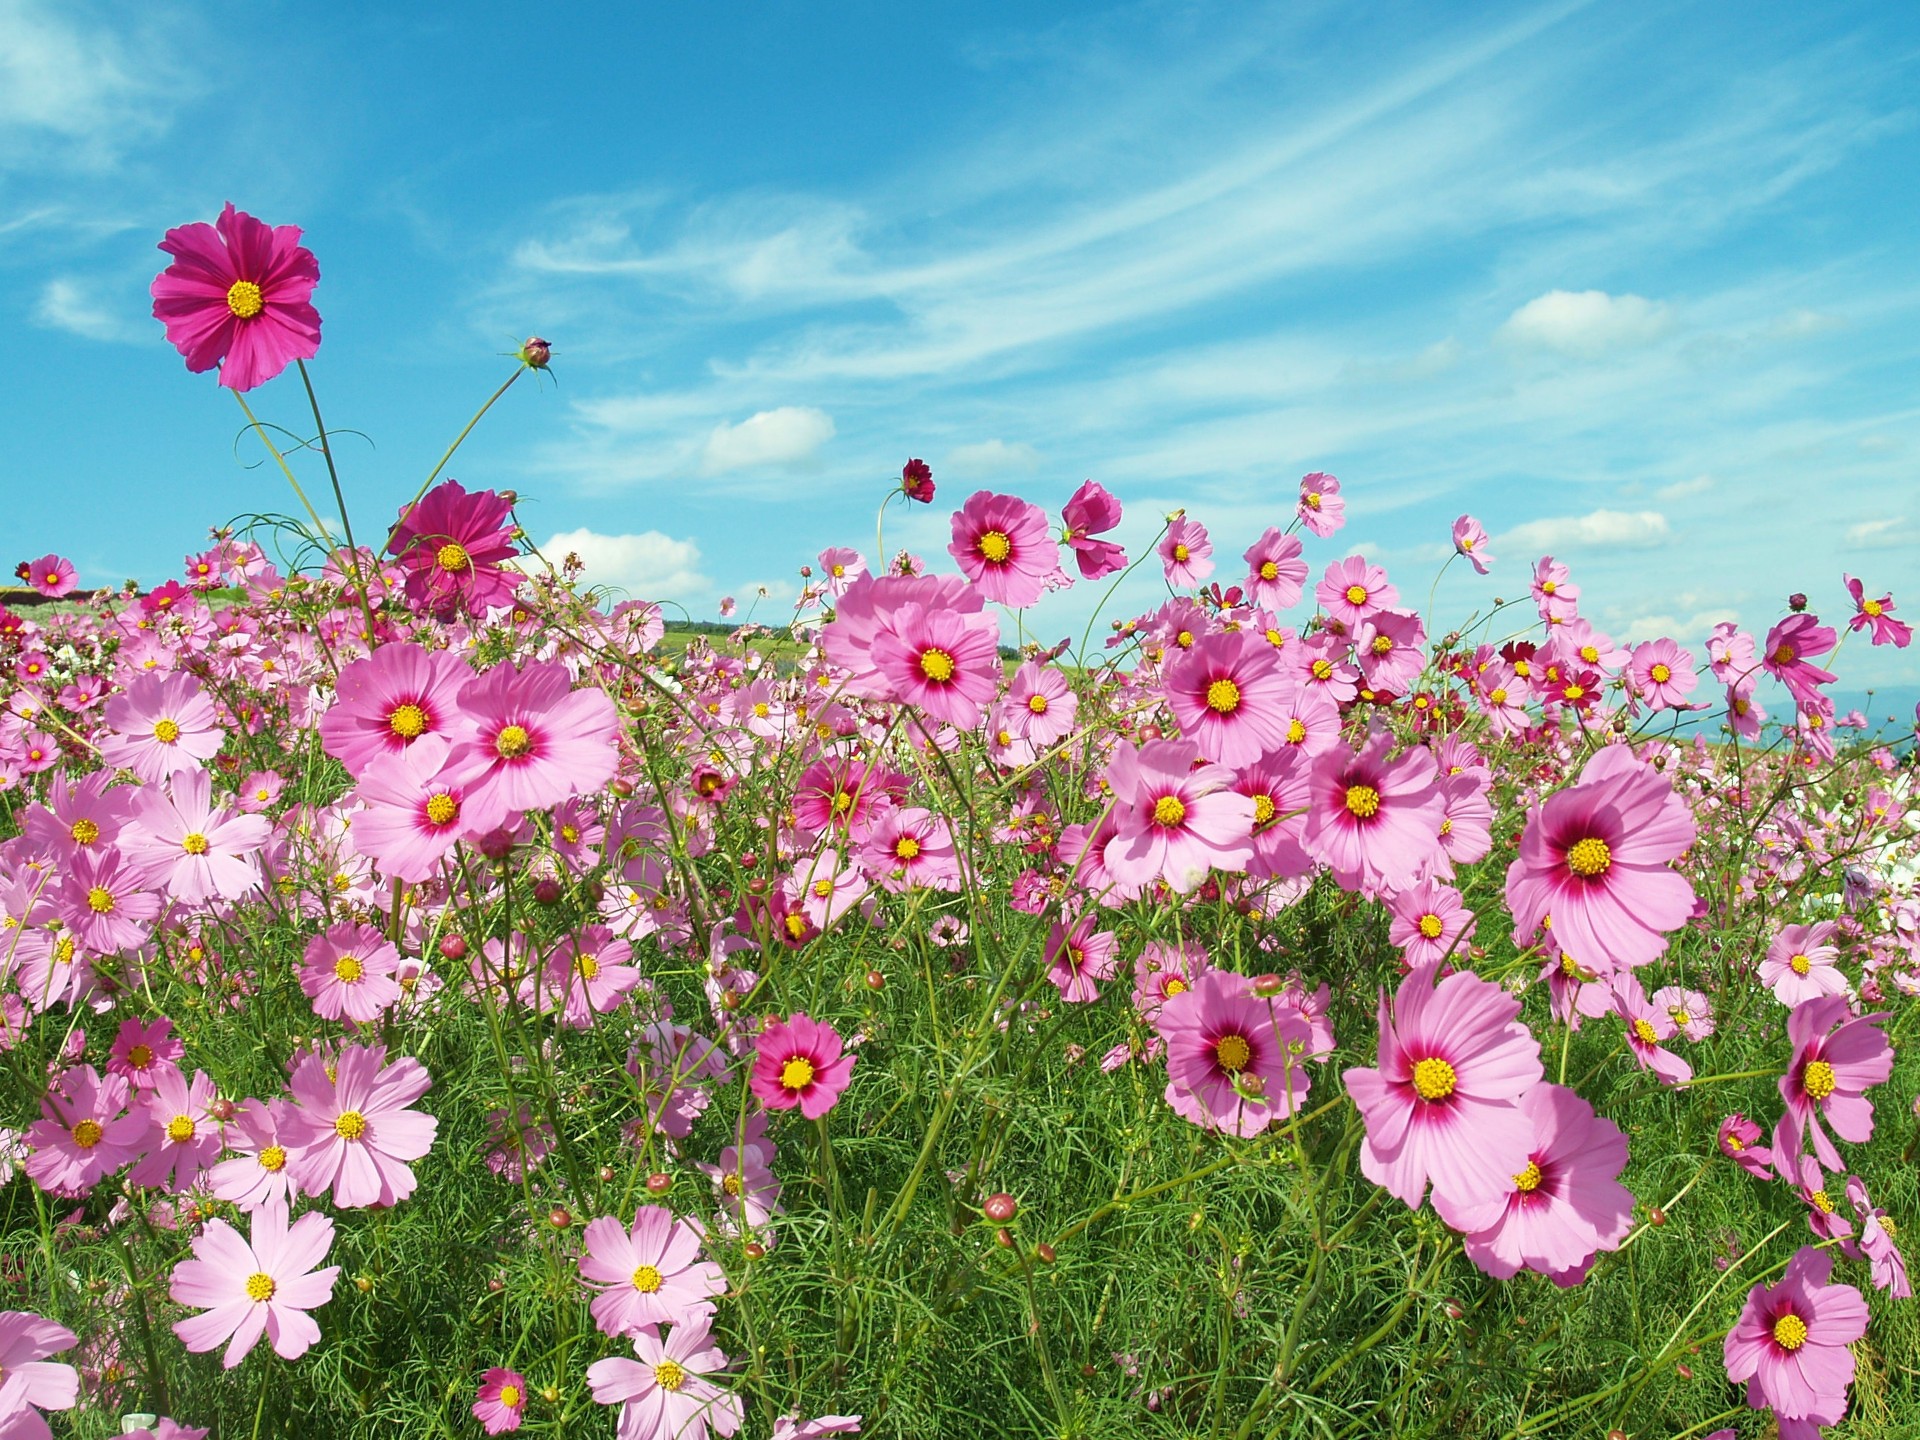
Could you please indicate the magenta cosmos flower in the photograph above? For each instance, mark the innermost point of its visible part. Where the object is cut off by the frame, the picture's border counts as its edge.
(451, 545)
(1563, 1207)
(502, 1400)
(1428, 920)
(241, 292)
(938, 662)
(1790, 1344)
(1662, 674)
(182, 843)
(666, 1393)
(52, 575)
(1175, 819)
(1080, 955)
(32, 1382)
(1596, 860)
(648, 1274)
(1093, 511)
(1375, 824)
(85, 1133)
(389, 699)
(351, 1132)
(1831, 1071)
(1868, 613)
(247, 1287)
(1454, 1060)
(1230, 697)
(348, 971)
(162, 724)
(1352, 589)
(1276, 575)
(529, 740)
(916, 481)
(1235, 1062)
(800, 1062)
(104, 904)
(1004, 545)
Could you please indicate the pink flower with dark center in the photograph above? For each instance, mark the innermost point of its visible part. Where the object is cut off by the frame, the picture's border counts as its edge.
(1563, 1206)
(903, 848)
(1235, 1062)
(845, 794)
(1375, 824)
(1470, 540)
(529, 740)
(350, 1131)
(1175, 821)
(1876, 615)
(1077, 956)
(1429, 921)
(246, 1287)
(1353, 589)
(868, 605)
(1321, 509)
(1597, 858)
(937, 661)
(52, 575)
(1004, 545)
(916, 481)
(667, 1394)
(1276, 575)
(1790, 1344)
(85, 1133)
(32, 1382)
(649, 1273)
(1442, 1105)
(162, 724)
(348, 972)
(241, 293)
(1831, 1071)
(1792, 647)
(800, 1063)
(502, 1400)
(1887, 1267)
(592, 974)
(1186, 554)
(1230, 697)
(389, 699)
(1388, 648)
(1278, 785)
(183, 1139)
(415, 808)
(1647, 1026)
(452, 545)
(1799, 964)
(1737, 1139)
(1093, 511)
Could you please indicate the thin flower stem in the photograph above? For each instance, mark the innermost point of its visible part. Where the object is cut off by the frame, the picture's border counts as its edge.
(319, 526)
(428, 483)
(340, 499)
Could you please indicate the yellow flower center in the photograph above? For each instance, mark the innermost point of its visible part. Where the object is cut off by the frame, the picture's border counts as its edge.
(669, 1375)
(1182, 554)
(823, 888)
(1431, 927)
(194, 844)
(1263, 810)
(1296, 731)
(1269, 570)
(1233, 1053)
(1169, 810)
(166, 731)
(1818, 1080)
(1678, 1014)
(351, 1125)
(1528, 1180)
(1589, 857)
(260, 1287)
(1548, 587)
(87, 1134)
(510, 1396)
(936, 665)
(1589, 654)
(1643, 1028)
(1433, 1079)
(84, 832)
(647, 1280)
(273, 1159)
(906, 848)
(244, 299)
(100, 900)
(443, 809)
(1363, 801)
(995, 547)
(1872, 609)
(797, 1073)
(1312, 498)
(796, 925)
(1789, 1332)
(1799, 964)
(1037, 704)
(1498, 695)
(1383, 644)
(1356, 594)
(1223, 697)
(63, 950)
(347, 970)
(1661, 674)
(587, 965)
(181, 1129)
(452, 558)
(1174, 986)
(1821, 1202)
(730, 1185)
(140, 1056)
(513, 742)
(1785, 655)
(408, 721)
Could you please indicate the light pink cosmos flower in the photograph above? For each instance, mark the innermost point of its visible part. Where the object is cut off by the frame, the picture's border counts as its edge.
(1230, 697)
(502, 1400)
(83, 815)
(1662, 674)
(1832, 1069)
(901, 848)
(800, 1063)
(182, 843)
(1554, 593)
(1876, 615)
(389, 699)
(667, 1394)
(246, 1287)
(1321, 509)
(1563, 1207)
(1093, 511)
(415, 810)
(165, 1429)
(85, 1133)
(1689, 1010)
(592, 974)
(1647, 1027)
(1470, 540)
(1388, 648)
(1799, 964)
(183, 1140)
(530, 740)
(32, 1382)
(1737, 1140)
(792, 1427)
(1790, 1345)
(257, 1175)
(1375, 824)
(452, 545)
(162, 724)
(1428, 920)
(1442, 1105)
(347, 972)
(1353, 589)
(1276, 575)
(1235, 1062)
(1078, 955)
(1004, 545)
(648, 1274)
(1186, 554)
(745, 1188)
(826, 889)
(104, 904)
(1044, 704)
(239, 292)
(1174, 820)
(52, 575)
(869, 604)
(939, 662)
(1792, 646)
(1731, 654)
(143, 1053)
(1887, 1266)
(1596, 858)
(351, 1132)
(840, 567)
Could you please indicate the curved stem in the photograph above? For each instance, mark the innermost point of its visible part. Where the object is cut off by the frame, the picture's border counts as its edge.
(458, 439)
(340, 499)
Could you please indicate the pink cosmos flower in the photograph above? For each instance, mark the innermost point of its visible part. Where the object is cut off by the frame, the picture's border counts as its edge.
(1887, 1267)
(1353, 589)
(351, 1132)
(1831, 1071)
(1078, 955)
(502, 1400)
(530, 740)
(1429, 920)
(415, 810)
(1229, 695)
(348, 971)
(451, 544)
(1374, 824)
(183, 1139)
(1689, 1010)
(1235, 1062)
(868, 607)
(246, 1287)
(164, 1429)
(1004, 545)
(1454, 1060)
(1044, 704)
(1662, 674)
(916, 481)
(1554, 593)
(1792, 647)
(240, 292)
(1799, 964)
(840, 567)
(80, 815)
(257, 1175)
(1647, 1027)
(52, 575)
(1093, 511)
(1876, 615)
(1174, 820)
(1186, 554)
(1596, 857)
(1560, 1209)
(1276, 575)
(939, 662)
(745, 1188)
(143, 1053)
(104, 904)
(1321, 510)
(1737, 1139)
(180, 842)
(1790, 1345)
(800, 1062)
(666, 1394)
(389, 699)
(648, 1274)
(1470, 540)
(902, 848)
(1388, 648)
(85, 1133)
(590, 971)
(792, 1427)
(162, 724)
(32, 1382)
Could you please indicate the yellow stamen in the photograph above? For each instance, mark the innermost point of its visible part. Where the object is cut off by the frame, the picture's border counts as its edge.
(1232, 1052)
(1433, 1079)
(260, 1287)
(513, 742)
(1223, 697)
(1363, 801)
(995, 548)
(350, 1125)
(244, 300)
(797, 1073)
(408, 721)
(1589, 857)
(937, 666)
(1169, 810)
(167, 732)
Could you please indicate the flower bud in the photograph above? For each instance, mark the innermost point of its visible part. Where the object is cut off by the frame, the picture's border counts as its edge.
(659, 1182)
(223, 1109)
(1001, 1206)
(606, 1174)
(875, 980)
(453, 947)
(1797, 602)
(536, 354)
(1044, 1252)
(547, 891)
(1657, 1216)
(754, 1250)
(1003, 1237)
(363, 1283)
(559, 1217)
(1268, 985)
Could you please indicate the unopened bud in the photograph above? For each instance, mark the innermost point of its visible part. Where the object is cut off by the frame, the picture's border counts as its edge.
(546, 891)
(536, 354)
(754, 1250)
(659, 1182)
(1268, 985)
(453, 947)
(875, 980)
(1045, 1253)
(1001, 1206)
(223, 1109)
(606, 1174)
(1003, 1237)
(559, 1217)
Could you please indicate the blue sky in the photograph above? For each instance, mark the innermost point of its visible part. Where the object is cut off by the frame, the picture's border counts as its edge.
(1635, 283)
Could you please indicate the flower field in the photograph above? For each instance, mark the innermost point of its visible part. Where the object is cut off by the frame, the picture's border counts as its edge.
(433, 1003)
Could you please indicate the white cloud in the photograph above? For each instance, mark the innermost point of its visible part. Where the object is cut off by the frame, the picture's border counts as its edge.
(1680, 489)
(74, 82)
(1603, 529)
(990, 457)
(69, 305)
(1692, 630)
(771, 437)
(1881, 534)
(649, 566)
(1587, 323)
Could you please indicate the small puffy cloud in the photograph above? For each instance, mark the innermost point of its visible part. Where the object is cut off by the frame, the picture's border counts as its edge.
(1689, 631)
(648, 566)
(1882, 534)
(771, 437)
(68, 305)
(1680, 489)
(990, 457)
(1603, 529)
(1586, 323)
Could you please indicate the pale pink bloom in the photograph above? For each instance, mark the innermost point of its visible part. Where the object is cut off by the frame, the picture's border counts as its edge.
(593, 973)
(1044, 703)
(1832, 1070)
(1229, 696)
(1276, 575)
(245, 1287)
(1790, 1345)
(530, 740)
(667, 1394)
(1077, 956)
(1175, 821)
(161, 724)
(389, 699)
(792, 1427)
(1375, 824)
(104, 904)
(1470, 540)
(348, 973)
(189, 847)
(1731, 654)
(1321, 510)
(85, 1133)
(1799, 964)
(826, 889)
(1689, 1010)
(1647, 1026)
(183, 1139)
(415, 810)
(840, 567)
(939, 662)
(257, 1175)
(1554, 593)
(33, 1383)
(648, 1274)
(1186, 554)
(351, 1131)
(1662, 674)
(1388, 648)
(1235, 1062)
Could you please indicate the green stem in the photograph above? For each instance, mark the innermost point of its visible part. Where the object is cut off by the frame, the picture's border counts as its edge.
(425, 486)
(340, 499)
